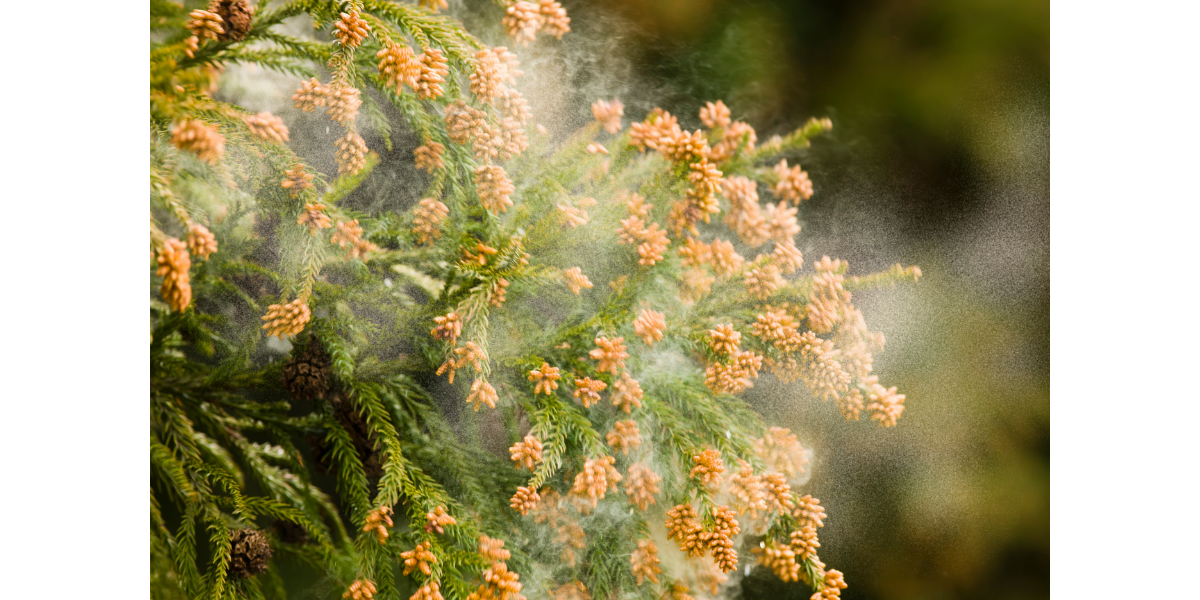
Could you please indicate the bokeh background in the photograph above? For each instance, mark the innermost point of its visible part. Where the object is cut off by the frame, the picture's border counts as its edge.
(939, 157)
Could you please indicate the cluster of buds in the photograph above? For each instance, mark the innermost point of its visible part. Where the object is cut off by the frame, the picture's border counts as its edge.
(493, 187)
(809, 510)
(434, 70)
(494, 67)
(174, 262)
(804, 541)
(720, 538)
(734, 376)
(267, 126)
(200, 241)
(782, 452)
(781, 222)
(527, 453)
(447, 327)
(593, 482)
(419, 559)
(780, 559)
(470, 354)
(479, 254)
(525, 500)
(378, 521)
(724, 340)
(314, 217)
(523, 20)
(749, 491)
(745, 216)
(650, 326)
(641, 485)
(794, 184)
(831, 586)
(624, 436)
(627, 393)
(573, 590)
(545, 379)
(437, 519)
(587, 391)
(429, 591)
(297, 180)
(361, 589)
(715, 115)
(610, 353)
(779, 493)
(311, 95)
(283, 320)
(645, 561)
(399, 66)
(428, 156)
(576, 280)
(204, 25)
(737, 137)
(482, 393)
(498, 584)
(427, 216)
(492, 549)
(788, 256)
(707, 467)
(349, 234)
(724, 260)
(762, 280)
(683, 526)
(351, 30)
(351, 155)
(885, 404)
(609, 114)
(652, 241)
(193, 135)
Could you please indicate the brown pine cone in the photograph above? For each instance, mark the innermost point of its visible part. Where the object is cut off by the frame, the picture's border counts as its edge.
(306, 375)
(248, 553)
(236, 15)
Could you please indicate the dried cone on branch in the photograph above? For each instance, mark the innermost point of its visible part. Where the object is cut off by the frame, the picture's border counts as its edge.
(249, 551)
(307, 375)
(236, 16)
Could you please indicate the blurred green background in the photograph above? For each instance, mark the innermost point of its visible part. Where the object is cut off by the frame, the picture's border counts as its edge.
(940, 157)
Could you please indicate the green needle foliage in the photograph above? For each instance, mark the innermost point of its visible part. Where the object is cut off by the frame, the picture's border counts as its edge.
(331, 441)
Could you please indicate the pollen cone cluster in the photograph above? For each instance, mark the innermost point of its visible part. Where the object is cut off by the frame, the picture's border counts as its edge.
(174, 263)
